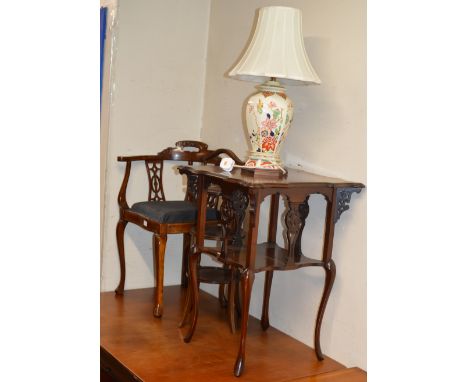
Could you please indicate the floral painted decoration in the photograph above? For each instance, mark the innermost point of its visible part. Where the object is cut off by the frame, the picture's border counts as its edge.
(269, 116)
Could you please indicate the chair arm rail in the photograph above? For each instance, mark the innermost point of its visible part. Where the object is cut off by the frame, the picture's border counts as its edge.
(138, 158)
(122, 198)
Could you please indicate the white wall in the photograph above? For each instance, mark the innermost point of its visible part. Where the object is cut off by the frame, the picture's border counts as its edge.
(328, 136)
(156, 99)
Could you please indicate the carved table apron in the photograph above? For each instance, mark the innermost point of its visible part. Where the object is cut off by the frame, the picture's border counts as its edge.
(241, 193)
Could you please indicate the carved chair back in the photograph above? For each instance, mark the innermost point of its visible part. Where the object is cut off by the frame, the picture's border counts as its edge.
(184, 151)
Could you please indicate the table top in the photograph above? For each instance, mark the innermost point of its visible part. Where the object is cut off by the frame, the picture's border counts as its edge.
(294, 178)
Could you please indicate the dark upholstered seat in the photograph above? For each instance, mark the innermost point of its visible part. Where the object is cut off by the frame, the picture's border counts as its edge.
(173, 211)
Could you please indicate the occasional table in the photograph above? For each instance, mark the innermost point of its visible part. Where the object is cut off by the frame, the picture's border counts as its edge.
(241, 193)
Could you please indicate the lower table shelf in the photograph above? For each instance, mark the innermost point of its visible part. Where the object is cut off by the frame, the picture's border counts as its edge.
(269, 256)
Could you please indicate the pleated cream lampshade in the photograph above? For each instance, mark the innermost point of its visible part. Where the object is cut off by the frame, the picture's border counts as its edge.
(276, 49)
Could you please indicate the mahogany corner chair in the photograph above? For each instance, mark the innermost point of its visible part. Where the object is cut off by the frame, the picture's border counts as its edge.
(163, 217)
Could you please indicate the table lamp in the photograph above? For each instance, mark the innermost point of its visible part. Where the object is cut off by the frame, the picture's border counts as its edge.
(275, 52)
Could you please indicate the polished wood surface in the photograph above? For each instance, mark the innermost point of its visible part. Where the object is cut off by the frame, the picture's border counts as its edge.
(295, 178)
(347, 375)
(135, 344)
(270, 256)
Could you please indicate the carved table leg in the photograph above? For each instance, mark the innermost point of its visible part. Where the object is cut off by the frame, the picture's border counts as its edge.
(248, 276)
(194, 294)
(120, 246)
(187, 307)
(247, 283)
(330, 273)
(185, 260)
(195, 255)
(237, 299)
(221, 293)
(272, 227)
(188, 297)
(231, 300)
(266, 300)
(336, 205)
(159, 248)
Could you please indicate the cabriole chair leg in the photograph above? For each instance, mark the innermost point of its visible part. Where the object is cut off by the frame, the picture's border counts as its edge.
(159, 248)
(120, 229)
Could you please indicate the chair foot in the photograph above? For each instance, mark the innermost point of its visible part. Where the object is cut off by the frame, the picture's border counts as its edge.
(265, 324)
(158, 311)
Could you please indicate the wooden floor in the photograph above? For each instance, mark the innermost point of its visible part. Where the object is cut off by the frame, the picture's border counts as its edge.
(151, 349)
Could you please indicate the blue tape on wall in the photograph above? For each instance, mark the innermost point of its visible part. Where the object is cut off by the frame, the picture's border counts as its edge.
(103, 38)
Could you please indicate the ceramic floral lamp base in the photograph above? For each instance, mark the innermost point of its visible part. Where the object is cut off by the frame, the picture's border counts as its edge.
(263, 167)
(261, 163)
(268, 115)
